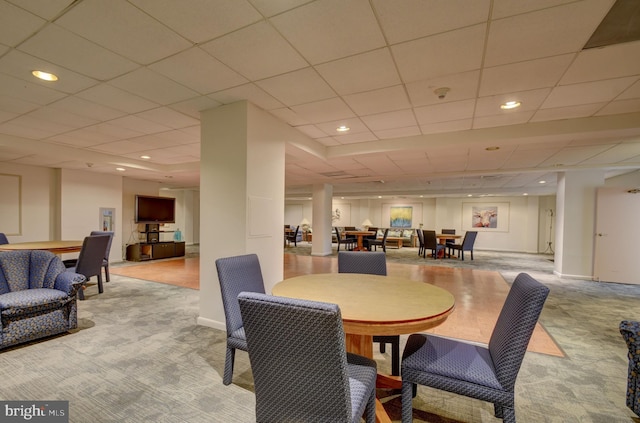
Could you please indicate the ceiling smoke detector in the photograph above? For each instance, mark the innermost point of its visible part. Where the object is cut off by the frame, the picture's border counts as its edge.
(441, 92)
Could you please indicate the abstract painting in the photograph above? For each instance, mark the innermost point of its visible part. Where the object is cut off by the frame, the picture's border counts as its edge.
(400, 217)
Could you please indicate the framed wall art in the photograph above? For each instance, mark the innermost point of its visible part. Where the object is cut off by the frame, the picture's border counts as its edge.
(485, 217)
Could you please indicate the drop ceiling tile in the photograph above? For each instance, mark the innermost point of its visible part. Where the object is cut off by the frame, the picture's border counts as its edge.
(570, 156)
(85, 137)
(297, 87)
(462, 86)
(196, 69)
(16, 106)
(201, 20)
(138, 124)
(256, 52)
(454, 125)
(615, 154)
(530, 100)
(407, 20)
(194, 106)
(71, 51)
(81, 107)
(289, 116)
(355, 138)
(390, 120)
(504, 8)
(543, 33)
(527, 159)
(331, 29)
(379, 101)
(532, 74)
(26, 91)
(515, 118)
(452, 111)
(631, 92)
(123, 29)
(249, 92)
(5, 116)
(620, 106)
(119, 147)
(350, 75)
(16, 24)
(270, 7)
(28, 127)
(443, 54)
(570, 112)
(311, 131)
(20, 65)
(168, 117)
(587, 92)
(116, 98)
(62, 117)
(604, 63)
(153, 86)
(323, 111)
(408, 131)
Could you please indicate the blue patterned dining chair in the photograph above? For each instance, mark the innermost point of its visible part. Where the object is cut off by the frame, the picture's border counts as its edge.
(372, 263)
(236, 274)
(630, 331)
(485, 373)
(301, 370)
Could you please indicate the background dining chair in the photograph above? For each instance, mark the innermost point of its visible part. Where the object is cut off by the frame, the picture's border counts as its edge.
(630, 331)
(236, 274)
(349, 243)
(431, 243)
(485, 373)
(378, 242)
(367, 238)
(350, 228)
(301, 370)
(466, 245)
(448, 242)
(372, 263)
(293, 237)
(3, 239)
(421, 251)
(89, 262)
(105, 260)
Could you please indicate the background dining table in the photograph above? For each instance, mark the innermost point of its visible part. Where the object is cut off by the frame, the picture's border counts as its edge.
(56, 247)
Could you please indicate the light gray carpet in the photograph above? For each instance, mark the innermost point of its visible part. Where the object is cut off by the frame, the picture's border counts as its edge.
(140, 357)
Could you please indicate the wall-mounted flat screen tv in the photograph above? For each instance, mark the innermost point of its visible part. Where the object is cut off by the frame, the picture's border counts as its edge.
(155, 209)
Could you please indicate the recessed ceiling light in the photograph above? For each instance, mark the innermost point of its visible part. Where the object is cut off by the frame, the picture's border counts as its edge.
(379, 196)
(542, 182)
(524, 193)
(145, 157)
(492, 148)
(510, 105)
(120, 169)
(45, 76)
(342, 128)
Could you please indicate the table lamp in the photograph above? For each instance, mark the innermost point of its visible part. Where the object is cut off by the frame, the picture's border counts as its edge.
(366, 224)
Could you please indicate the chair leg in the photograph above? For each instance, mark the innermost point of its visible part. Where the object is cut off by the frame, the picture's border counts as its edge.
(100, 288)
(395, 357)
(383, 347)
(106, 273)
(407, 402)
(471, 254)
(228, 366)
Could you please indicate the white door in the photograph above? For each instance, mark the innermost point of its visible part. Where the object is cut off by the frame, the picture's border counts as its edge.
(617, 256)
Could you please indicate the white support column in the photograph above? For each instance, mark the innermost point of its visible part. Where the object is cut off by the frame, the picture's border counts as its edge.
(322, 200)
(241, 196)
(575, 223)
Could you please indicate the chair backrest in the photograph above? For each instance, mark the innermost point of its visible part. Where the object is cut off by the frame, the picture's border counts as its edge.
(92, 255)
(514, 327)
(3, 239)
(237, 274)
(384, 237)
(108, 250)
(349, 228)
(469, 240)
(374, 236)
(372, 263)
(298, 359)
(420, 233)
(28, 269)
(430, 241)
(338, 234)
(448, 231)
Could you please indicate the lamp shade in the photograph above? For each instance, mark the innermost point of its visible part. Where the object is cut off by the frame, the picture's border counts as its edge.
(367, 223)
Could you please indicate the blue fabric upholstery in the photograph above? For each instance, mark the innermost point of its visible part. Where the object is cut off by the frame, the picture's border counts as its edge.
(349, 243)
(90, 260)
(372, 263)
(381, 242)
(431, 243)
(630, 331)
(300, 367)
(485, 373)
(236, 274)
(466, 245)
(105, 260)
(3, 239)
(37, 296)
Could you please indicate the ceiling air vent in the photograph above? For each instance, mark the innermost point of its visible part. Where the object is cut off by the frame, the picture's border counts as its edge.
(336, 174)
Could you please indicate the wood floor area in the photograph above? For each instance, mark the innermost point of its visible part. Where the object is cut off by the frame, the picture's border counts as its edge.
(479, 294)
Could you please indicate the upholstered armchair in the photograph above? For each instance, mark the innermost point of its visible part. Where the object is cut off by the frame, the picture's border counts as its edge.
(37, 296)
(630, 331)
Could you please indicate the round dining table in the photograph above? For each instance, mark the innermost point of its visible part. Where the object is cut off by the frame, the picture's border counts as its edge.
(360, 237)
(56, 247)
(374, 305)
